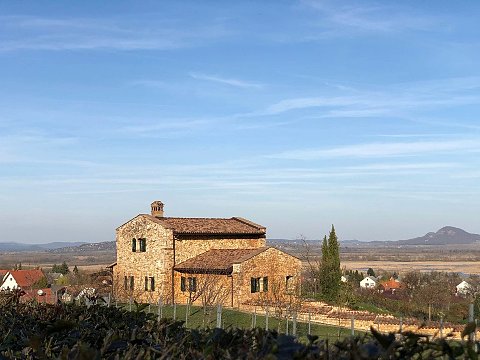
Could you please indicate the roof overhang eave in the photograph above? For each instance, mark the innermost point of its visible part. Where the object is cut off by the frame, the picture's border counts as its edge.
(218, 233)
(191, 270)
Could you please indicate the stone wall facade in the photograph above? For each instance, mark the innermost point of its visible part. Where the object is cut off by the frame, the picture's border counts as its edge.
(163, 250)
(234, 290)
(156, 261)
(273, 264)
(211, 289)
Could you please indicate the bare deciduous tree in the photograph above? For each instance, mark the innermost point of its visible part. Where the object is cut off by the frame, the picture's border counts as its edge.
(283, 295)
(312, 272)
(210, 290)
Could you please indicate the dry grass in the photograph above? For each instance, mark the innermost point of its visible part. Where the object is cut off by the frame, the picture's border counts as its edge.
(471, 267)
(459, 258)
(91, 261)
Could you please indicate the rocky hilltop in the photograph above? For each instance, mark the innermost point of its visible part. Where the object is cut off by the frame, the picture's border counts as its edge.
(447, 235)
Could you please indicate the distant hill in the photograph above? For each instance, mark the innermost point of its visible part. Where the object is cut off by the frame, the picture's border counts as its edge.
(18, 247)
(101, 246)
(352, 242)
(447, 235)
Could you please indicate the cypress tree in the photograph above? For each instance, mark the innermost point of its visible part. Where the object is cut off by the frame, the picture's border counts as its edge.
(330, 273)
(324, 276)
(63, 269)
(325, 252)
(335, 271)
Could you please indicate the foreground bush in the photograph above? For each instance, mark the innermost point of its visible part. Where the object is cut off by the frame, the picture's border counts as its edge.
(39, 331)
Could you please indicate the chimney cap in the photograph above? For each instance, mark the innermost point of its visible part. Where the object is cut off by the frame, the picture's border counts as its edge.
(157, 208)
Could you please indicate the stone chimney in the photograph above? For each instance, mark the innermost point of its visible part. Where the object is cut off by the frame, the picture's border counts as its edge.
(157, 208)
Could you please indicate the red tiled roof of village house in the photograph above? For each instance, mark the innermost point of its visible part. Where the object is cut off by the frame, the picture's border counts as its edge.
(2, 273)
(391, 284)
(26, 278)
(218, 260)
(234, 225)
(46, 297)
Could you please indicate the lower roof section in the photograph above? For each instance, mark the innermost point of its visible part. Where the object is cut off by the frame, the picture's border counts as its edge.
(217, 261)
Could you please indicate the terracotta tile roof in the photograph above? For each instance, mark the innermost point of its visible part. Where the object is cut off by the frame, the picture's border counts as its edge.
(392, 284)
(47, 296)
(26, 278)
(218, 260)
(234, 225)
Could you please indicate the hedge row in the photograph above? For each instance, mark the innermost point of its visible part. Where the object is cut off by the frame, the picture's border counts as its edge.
(42, 331)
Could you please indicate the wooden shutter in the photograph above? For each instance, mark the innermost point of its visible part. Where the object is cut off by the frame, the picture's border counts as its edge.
(182, 284)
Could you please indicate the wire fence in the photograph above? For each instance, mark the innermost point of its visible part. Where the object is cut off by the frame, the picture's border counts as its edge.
(227, 318)
(322, 321)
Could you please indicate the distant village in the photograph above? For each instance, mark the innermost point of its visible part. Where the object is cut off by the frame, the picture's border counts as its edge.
(46, 286)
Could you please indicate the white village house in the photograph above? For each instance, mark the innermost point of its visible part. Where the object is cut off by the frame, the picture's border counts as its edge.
(23, 279)
(464, 288)
(368, 282)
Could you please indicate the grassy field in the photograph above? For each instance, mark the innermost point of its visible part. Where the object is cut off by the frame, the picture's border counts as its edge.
(243, 320)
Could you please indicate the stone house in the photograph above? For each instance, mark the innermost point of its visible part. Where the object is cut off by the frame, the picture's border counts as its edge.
(200, 260)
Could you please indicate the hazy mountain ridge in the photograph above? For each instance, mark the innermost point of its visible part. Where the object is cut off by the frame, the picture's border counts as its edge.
(447, 235)
(101, 246)
(18, 247)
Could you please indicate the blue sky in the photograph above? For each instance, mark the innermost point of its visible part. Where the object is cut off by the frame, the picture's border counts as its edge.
(294, 114)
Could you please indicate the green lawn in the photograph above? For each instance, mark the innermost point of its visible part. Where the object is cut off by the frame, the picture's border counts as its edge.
(238, 319)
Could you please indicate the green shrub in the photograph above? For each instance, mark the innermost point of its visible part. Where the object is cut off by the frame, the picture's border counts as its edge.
(42, 331)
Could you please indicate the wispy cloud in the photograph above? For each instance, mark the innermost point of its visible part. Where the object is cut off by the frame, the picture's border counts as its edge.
(38, 33)
(390, 100)
(160, 84)
(245, 172)
(226, 81)
(408, 166)
(164, 127)
(419, 135)
(310, 102)
(381, 150)
(354, 20)
(23, 138)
